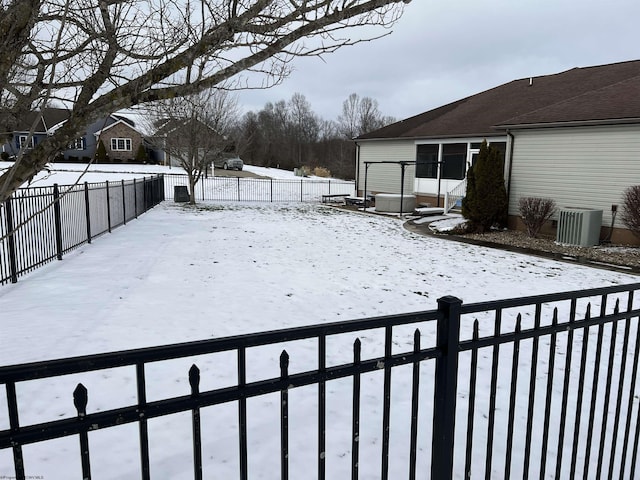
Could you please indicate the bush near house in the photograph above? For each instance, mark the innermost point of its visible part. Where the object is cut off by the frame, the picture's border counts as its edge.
(141, 155)
(101, 153)
(535, 212)
(631, 209)
(485, 203)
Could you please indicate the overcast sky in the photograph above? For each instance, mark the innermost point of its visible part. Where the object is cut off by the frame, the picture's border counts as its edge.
(441, 51)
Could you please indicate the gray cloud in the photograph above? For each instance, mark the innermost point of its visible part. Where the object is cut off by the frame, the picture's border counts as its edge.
(443, 51)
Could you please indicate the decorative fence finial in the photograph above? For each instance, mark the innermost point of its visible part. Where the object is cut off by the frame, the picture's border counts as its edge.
(80, 399)
(194, 379)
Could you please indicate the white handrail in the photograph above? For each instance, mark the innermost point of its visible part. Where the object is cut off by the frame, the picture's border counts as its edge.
(454, 195)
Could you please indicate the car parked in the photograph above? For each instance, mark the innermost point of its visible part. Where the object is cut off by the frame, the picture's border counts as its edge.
(235, 163)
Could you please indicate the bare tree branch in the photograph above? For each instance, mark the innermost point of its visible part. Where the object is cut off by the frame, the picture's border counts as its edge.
(101, 56)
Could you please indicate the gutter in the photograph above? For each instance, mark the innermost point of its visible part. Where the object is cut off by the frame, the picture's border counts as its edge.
(571, 123)
(435, 137)
(513, 140)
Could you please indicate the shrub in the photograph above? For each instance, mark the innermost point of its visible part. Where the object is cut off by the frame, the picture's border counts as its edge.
(485, 202)
(321, 172)
(535, 212)
(4, 156)
(101, 153)
(631, 209)
(141, 155)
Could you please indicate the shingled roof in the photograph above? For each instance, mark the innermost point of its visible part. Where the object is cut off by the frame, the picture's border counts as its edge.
(599, 94)
(44, 120)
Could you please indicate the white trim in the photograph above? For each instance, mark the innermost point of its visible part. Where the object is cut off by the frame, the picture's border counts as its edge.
(468, 140)
(120, 121)
(127, 142)
(22, 139)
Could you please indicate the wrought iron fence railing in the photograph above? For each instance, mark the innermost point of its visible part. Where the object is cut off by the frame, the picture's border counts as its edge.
(242, 189)
(522, 388)
(40, 224)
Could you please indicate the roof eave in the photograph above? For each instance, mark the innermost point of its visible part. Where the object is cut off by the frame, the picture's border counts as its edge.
(573, 123)
(431, 137)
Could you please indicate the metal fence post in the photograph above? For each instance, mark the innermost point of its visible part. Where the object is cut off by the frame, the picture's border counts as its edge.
(145, 196)
(446, 377)
(57, 220)
(124, 204)
(13, 268)
(135, 199)
(108, 207)
(87, 211)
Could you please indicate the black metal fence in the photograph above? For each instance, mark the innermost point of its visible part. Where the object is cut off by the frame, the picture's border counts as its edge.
(535, 387)
(40, 224)
(242, 189)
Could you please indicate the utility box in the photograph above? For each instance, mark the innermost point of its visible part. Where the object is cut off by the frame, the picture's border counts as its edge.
(180, 193)
(579, 226)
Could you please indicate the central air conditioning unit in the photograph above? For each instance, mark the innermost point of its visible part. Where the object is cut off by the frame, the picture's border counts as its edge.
(579, 226)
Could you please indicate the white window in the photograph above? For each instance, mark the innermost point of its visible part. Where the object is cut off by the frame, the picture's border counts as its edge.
(77, 144)
(24, 143)
(121, 144)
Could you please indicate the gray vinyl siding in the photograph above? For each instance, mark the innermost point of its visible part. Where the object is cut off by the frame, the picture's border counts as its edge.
(386, 177)
(582, 167)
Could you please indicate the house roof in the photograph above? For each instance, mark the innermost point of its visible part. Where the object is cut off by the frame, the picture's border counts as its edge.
(169, 125)
(45, 119)
(593, 94)
(119, 121)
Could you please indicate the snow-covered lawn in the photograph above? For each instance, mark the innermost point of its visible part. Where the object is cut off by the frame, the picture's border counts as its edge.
(178, 274)
(68, 173)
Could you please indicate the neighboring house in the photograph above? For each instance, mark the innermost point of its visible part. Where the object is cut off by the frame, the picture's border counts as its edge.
(120, 137)
(174, 138)
(573, 137)
(42, 123)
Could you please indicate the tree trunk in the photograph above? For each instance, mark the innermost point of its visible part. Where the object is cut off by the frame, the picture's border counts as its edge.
(192, 189)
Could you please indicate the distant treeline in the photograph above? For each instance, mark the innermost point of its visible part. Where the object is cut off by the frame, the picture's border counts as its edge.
(288, 134)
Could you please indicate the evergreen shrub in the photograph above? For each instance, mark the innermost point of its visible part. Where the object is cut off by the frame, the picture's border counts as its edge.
(485, 203)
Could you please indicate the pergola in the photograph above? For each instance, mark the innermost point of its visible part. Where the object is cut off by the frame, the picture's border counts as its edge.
(403, 166)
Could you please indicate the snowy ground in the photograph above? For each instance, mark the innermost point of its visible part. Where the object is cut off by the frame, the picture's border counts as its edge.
(178, 274)
(68, 173)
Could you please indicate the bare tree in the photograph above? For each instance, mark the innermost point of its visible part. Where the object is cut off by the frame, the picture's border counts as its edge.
(349, 121)
(101, 56)
(304, 124)
(361, 115)
(195, 130)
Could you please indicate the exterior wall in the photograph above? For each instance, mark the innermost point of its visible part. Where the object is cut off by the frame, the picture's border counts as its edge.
(581, 167)
(91, 141)
(13, 147)
(386, 177)
(430, 200)
(121, 130)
